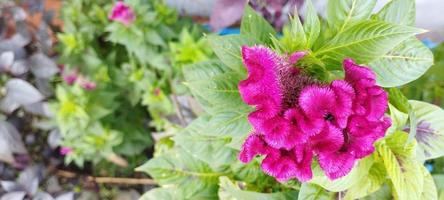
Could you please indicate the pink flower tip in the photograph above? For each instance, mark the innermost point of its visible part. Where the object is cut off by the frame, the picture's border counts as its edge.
(70, 79)
(88, 85)
(65, 150)
(122, 13)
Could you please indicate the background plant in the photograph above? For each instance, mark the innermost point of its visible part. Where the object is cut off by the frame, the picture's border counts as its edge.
(135, 72)
(204, 155)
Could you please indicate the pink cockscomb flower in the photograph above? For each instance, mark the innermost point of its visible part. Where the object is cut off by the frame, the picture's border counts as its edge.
(122, 13)
(87, 84)
(71, 78)
(65, 151)
(298, 118)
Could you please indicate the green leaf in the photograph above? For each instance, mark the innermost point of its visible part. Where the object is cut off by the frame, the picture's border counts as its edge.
(382, 194)
(439, 183)
(402, 168)
(229, 190)
(399, 119)
(313, 192)
(294, 37)
(341, 184)
(312, 25)
(429, 191)
(255, 26)
(430, 128)
(204, 70)
(233, 124)
(219, 91)
(366, 41)
(398, 100)
(159, 193)
(199, 141)
(369, 183)
(342, 13)
(228, 49)
(401, 12)
(403, 64)
(194, 179)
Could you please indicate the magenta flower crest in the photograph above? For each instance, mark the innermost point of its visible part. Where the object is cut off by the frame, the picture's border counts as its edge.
(122, 13)
(65, 150)
(298, 118)
(71, 78)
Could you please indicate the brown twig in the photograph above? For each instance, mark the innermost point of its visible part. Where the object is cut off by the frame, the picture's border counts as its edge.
(107, 180)
(178, 110)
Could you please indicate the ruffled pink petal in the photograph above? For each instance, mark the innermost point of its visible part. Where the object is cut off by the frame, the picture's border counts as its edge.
(377, 104)
(337, 164)
(253, 146)
(344, 101)
(277, 133)
(262, 85)
(361, 146)
(358, 74)
(330, 139)
(282, 167)
(317, 101)
(303, 164)
(308, 127)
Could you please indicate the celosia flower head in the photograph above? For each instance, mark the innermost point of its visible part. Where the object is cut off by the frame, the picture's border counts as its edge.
(122, 13)
(298, 118)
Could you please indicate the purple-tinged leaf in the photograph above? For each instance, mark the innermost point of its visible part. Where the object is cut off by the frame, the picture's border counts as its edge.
(6, 60)
(11, 186)
(226, 13)
(30, 178)
(42, 66)
(430, 129)
(19, 67)
(43, 196)
(54, 138)
(14, 196)
(19, 93)
(39, 108)
(66, 196)
(10, 142)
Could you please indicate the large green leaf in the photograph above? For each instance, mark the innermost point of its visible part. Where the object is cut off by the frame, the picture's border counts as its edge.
(199, 142)
(312, 25)
(403, 64)
(402, 168)
(429, 191)
(430, 128)
(439, 183)
(399, 12)
(159, 193)
(410, 59)
(193, 179)
(229, 190)
(204, 70)
(255, 26)
(369, 183)
(342, 13)
(358, 172)
(231, 123)
(382, 194)
(219, 91)
(228, 49)
(313, 192)
(365, 41)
